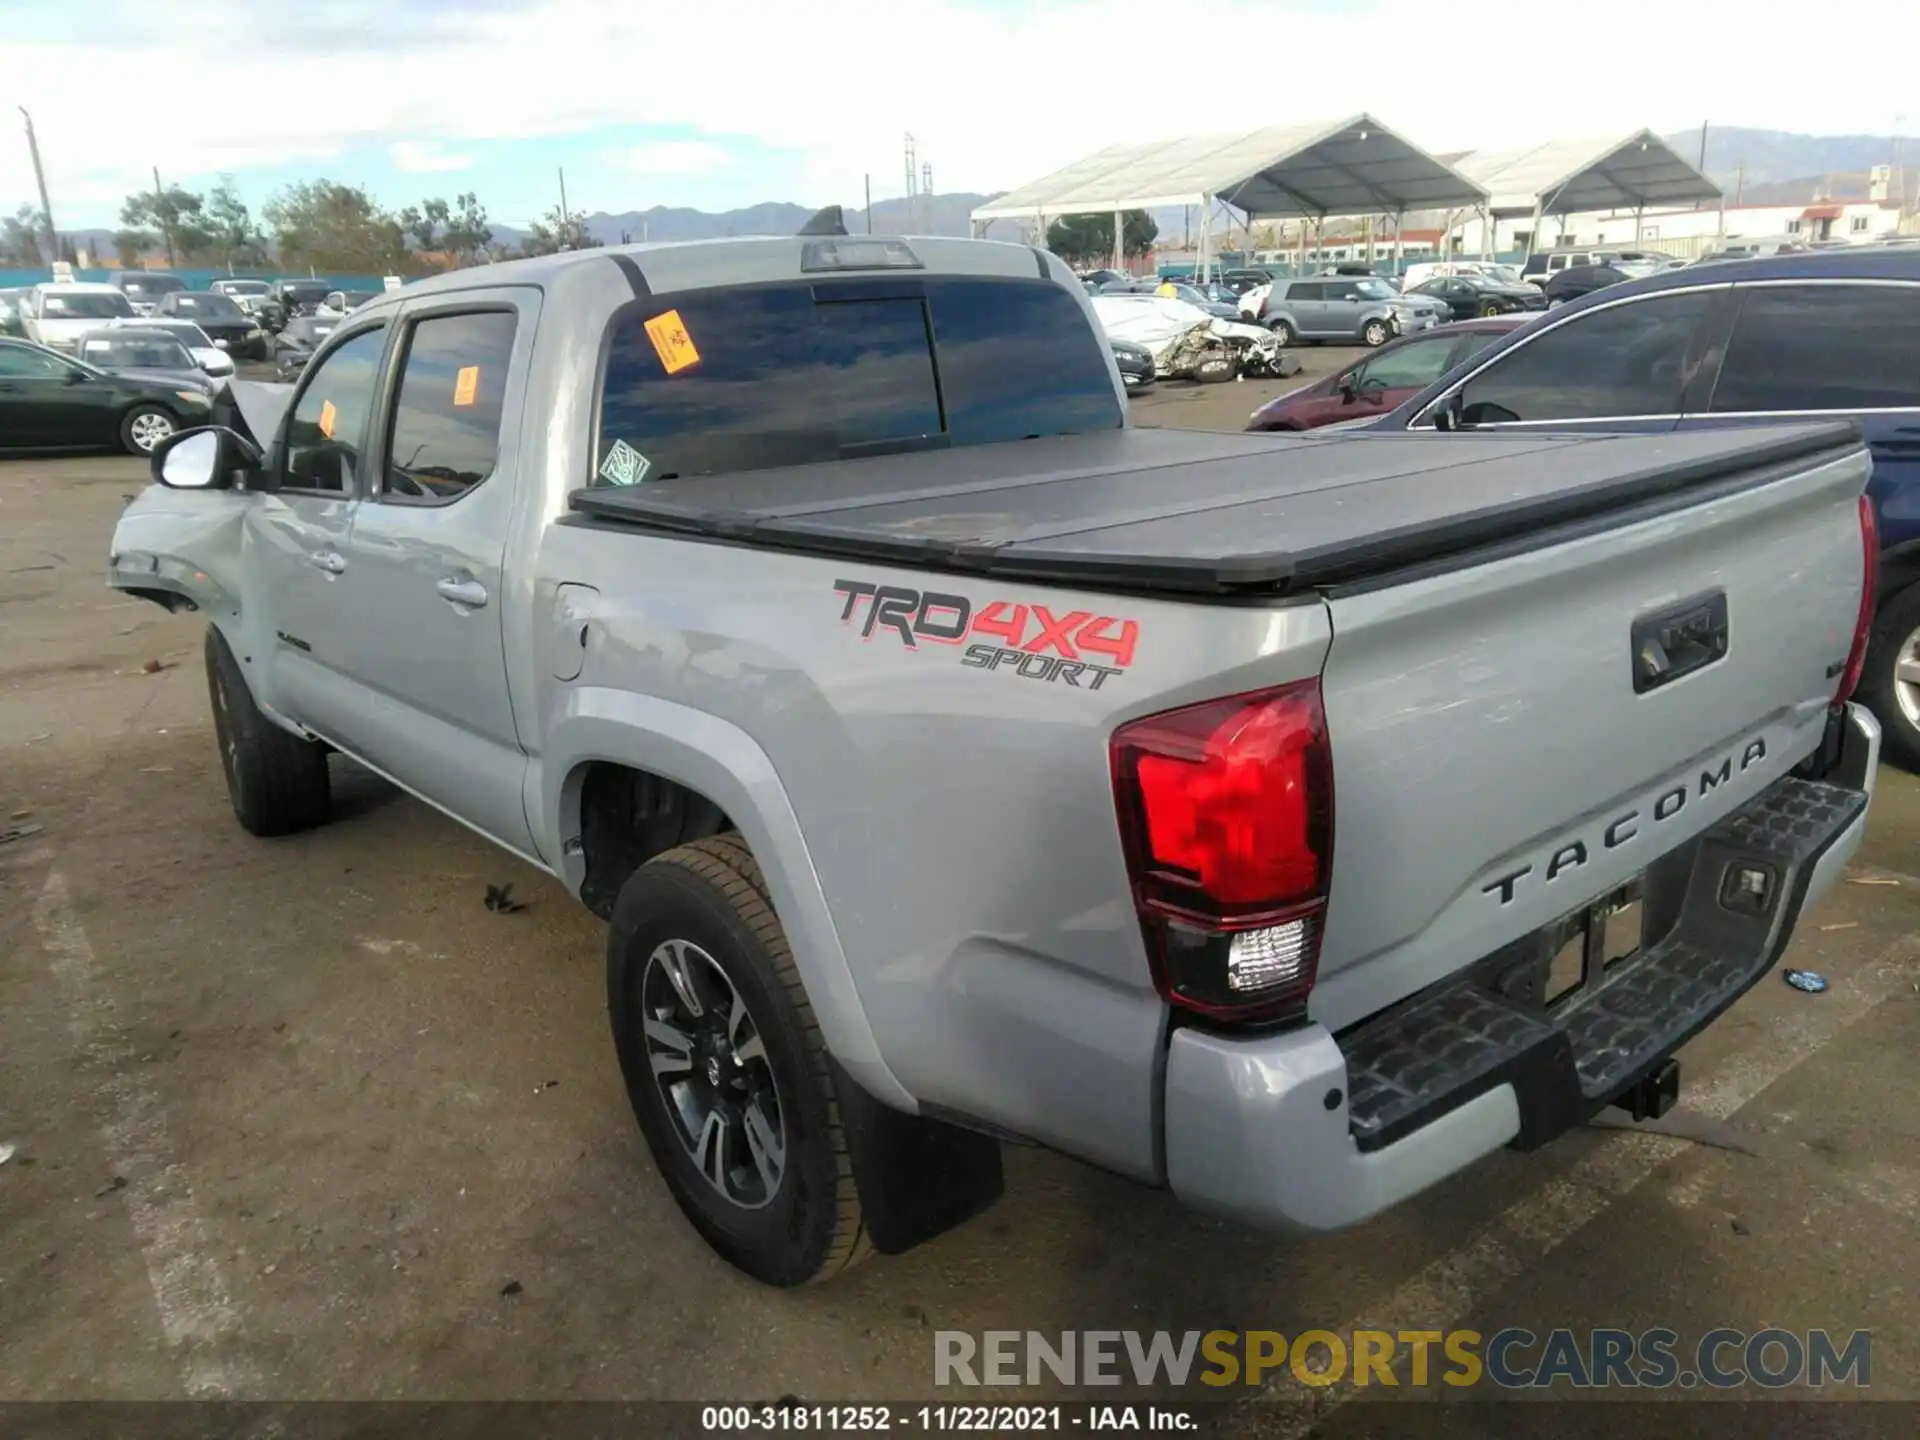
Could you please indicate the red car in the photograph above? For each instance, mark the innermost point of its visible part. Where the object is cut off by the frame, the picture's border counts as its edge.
(1372, 386)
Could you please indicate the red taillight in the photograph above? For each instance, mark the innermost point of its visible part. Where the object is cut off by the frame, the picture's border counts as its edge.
(1226, 814)
(1869, 583)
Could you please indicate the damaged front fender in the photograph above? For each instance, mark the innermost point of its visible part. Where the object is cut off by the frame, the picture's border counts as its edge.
(181, 549)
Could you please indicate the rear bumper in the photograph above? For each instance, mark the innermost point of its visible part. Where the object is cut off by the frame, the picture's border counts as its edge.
(1306, 1130)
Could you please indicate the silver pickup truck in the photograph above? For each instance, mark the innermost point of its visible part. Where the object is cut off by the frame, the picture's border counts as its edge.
(1285, 821)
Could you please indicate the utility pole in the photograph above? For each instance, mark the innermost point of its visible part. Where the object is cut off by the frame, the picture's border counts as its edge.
(913, 184)
(868, 181)
(563, 197)
(1703, 147)
(40, 178)
(160, 214)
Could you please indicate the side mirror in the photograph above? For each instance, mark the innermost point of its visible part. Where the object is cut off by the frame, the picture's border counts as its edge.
(77, 377)
(1349, 392)
(205, 459)
(1448, 415)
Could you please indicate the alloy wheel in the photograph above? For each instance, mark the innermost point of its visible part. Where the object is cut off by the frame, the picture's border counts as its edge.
(710, 1064)
(149, 430)
(1906, 678)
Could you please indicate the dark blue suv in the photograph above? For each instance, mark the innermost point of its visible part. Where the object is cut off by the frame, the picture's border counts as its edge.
(1833, 334)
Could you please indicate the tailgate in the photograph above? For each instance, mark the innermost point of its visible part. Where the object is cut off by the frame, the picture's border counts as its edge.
(1500, 759)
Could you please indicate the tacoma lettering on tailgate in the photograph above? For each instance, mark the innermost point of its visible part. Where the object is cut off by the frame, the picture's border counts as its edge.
(1028, 640)
(1632, 825)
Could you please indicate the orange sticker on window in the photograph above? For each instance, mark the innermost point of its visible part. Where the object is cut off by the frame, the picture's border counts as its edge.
(328, 415)
(466, 384)
(671, 342)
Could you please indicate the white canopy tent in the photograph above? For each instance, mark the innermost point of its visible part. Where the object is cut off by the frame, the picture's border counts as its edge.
(1355, 166)
(1578, 176)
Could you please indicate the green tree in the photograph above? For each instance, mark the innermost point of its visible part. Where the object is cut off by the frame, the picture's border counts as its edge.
(1081, 239)
(322, 225)
(178, 214)
(234, 238)
(424, 223)
(467, 235)
(554, 232)
(21, 235)
(132, 246)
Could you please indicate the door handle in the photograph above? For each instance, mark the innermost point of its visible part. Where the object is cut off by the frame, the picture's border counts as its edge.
(462, 592)
(330, 561)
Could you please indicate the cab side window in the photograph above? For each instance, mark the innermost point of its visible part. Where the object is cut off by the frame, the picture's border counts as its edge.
(329, 421)
(446, 418)
(1621, 362)
(1822, 347)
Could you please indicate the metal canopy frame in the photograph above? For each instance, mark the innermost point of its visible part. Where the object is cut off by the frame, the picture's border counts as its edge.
(1355, 166)
(1567, 177)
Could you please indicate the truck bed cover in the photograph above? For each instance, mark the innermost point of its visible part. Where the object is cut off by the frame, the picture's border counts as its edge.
(1207, 513)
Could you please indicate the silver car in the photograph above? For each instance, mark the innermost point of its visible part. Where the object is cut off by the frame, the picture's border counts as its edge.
(1350, 308)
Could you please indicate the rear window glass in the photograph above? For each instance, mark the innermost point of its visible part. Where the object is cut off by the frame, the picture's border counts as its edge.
(1823, 347)
(745, 379)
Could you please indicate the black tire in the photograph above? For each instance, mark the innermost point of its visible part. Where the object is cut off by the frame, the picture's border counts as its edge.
(1489, 310)
(1893, 627)
(1283, 332)
(145, 426)
(1375, 333)
(1217, 371)
(277, 782)
(710, 894)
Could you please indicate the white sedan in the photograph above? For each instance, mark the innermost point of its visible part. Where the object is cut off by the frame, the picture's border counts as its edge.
(210, 358)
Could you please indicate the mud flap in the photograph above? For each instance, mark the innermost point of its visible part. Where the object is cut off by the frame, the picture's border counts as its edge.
(917, 1177)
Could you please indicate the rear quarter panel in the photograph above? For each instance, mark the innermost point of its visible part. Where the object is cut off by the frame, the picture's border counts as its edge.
(958, 820)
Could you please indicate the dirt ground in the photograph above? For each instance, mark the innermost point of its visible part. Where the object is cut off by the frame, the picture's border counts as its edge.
(303, 1119)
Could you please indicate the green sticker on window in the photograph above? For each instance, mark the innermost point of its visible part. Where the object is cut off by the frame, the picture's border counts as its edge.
(624, 465)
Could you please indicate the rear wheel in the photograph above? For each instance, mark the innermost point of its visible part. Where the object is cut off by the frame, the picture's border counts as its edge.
(1376, 333)
(1490, 309)
(1283, 332)
(145, 426)
(726, 1068)
(276, 781)
(1890, 683)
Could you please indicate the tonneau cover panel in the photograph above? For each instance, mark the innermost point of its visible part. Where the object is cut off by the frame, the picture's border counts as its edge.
(1206, 513)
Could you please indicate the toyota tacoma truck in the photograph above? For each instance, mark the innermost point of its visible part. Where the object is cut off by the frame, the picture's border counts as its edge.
(1287, 822)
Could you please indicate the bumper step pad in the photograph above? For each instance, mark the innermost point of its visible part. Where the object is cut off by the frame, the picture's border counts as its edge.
(1461, 1038)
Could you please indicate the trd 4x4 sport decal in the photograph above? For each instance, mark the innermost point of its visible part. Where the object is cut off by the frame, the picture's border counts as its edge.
(1031, 641)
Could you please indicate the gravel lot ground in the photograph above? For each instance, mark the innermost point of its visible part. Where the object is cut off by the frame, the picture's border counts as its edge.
(302, 1119)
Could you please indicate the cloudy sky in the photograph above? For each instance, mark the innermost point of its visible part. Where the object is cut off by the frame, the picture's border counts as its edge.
(718, 103)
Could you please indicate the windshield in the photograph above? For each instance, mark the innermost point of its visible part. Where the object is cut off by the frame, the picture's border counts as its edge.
(144, 285)
(84, 306)
(354, 299)
(245, 287)
(1373, 289)
(212, 307)
(135, 350)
